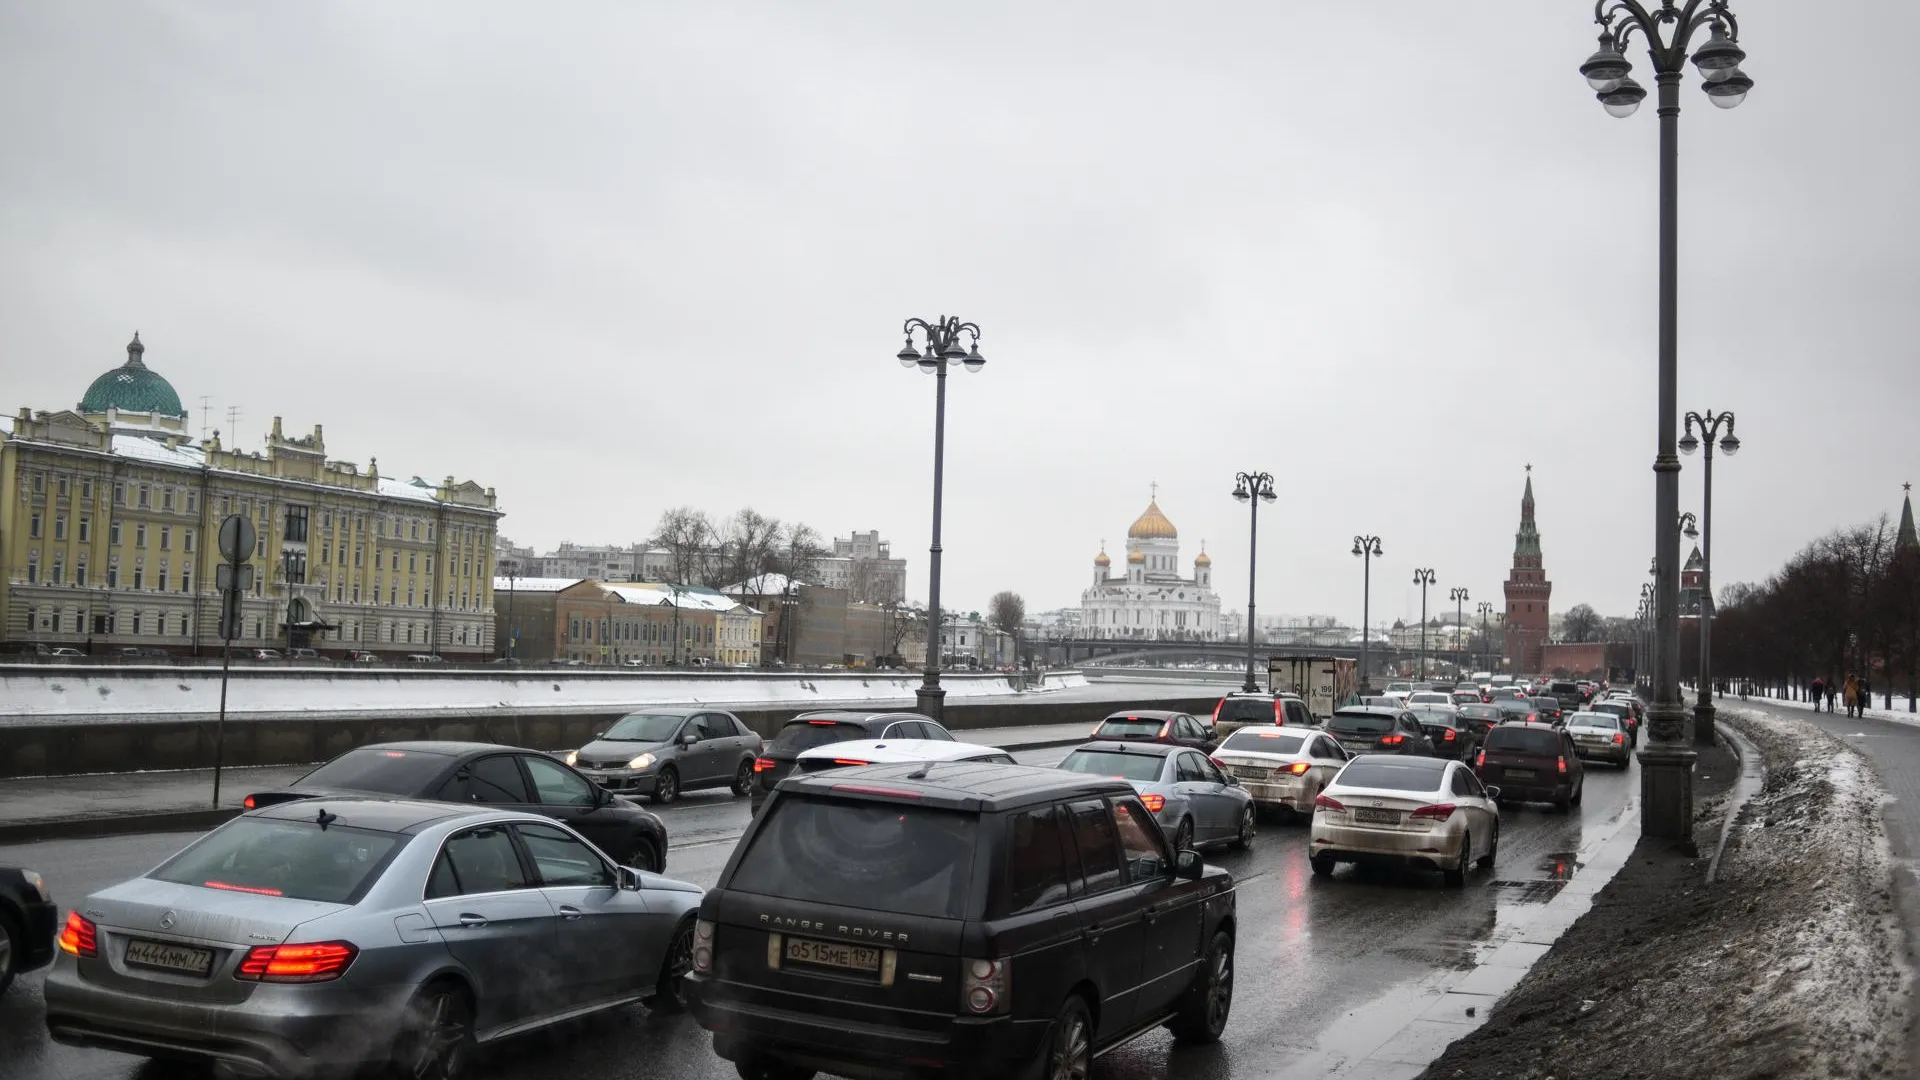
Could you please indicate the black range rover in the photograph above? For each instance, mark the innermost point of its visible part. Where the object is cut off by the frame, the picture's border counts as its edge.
(957, 920)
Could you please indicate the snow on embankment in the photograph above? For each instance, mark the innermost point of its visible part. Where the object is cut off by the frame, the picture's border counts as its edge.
(86, 694)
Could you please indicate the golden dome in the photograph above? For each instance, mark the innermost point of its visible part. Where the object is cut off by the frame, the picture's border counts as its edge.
(1153, 525)
(1203, 559)
(1136, 557)
(1101, 559)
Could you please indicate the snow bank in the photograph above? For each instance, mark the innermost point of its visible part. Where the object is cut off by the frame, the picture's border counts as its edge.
(93, 695)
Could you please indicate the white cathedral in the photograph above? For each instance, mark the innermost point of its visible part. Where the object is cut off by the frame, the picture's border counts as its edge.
(1152, 601)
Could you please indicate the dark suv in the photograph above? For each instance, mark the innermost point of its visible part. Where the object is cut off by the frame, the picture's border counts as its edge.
(1242, 708)
(979, 920)
(811, 729)
(1379, 729)
(1532, 763)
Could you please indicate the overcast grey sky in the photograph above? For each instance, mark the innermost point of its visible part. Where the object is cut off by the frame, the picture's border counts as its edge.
(612, 257)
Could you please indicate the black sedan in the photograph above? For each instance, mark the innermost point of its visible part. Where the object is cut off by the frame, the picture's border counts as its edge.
(491, 775)
(1550, 710)
(26, 923)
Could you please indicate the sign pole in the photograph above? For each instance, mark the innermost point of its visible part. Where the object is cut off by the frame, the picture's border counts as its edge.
(220, 725)
(237, 540)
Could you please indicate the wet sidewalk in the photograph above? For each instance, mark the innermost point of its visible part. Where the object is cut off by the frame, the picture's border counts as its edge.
(103, 804)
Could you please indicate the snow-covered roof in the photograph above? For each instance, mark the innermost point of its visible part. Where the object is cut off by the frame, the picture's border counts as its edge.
(689, 597)
(764, 585)
(534, 584)
(189, 456)
(403, 489)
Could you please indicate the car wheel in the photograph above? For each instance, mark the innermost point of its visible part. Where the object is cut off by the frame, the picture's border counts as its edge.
(772, 1070)
(670, 990)
(1322, 865)
(437, 1043)
(1183, 836)
(1203, 1012)
(9, 939)
(1244, 840)
(1456, 875)
(743, 779)
(667, 787)
(1493, 850)
(1067, 1053)
(644, 857)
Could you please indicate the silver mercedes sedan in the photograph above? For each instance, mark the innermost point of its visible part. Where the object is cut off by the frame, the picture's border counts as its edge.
(318, 937)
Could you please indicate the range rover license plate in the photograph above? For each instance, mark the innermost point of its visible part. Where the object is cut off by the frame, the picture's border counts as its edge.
(834, 954)
(159, 954)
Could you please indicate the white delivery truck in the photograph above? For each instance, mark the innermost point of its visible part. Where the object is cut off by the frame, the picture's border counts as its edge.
(1324, 682)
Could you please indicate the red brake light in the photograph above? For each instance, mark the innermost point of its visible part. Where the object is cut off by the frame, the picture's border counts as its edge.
(1619, 739)
(1480, 759)
(320, 962)
(823, 723)
(247, 802)
(762, 764)
(1154, 803)
(850, 761)
(1436, 812)
(1279, 715)
(859, 789)
(1533, 718)
(1216, 709)
(1392, 740)
(1451, 735)
(78, 937)
(1299, 768)
(257, 890)
(1563, 766)
(1323, 802)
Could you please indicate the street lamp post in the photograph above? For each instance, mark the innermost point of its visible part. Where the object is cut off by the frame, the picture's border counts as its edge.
(1252, 489)
(943, 346)
(1646, 634)
(513, 628)
(1709, 424)
(1486, 633)
(1423, 578)
(1367, 548)
(1459, 597)
(1666, 764)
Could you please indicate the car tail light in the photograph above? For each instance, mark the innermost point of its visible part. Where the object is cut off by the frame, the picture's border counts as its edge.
(1436, 812)
(850, 761)
(248, 803)
(79, 937)
(983, 990)
(1279, 714)
(703, 947)
(1480, 759)
(319, 962)
(823, 723)
(1451, 735)
(1619, 739)
(1533, 718)
(1392, 740)
(1154, 803)
(1328, 803)
(763, 764)
(1217, 706)
(1298, 768)
(1563, 766)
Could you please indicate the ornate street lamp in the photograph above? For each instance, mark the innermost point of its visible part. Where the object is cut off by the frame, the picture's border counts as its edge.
(1367, 548)
(1709, 424)
(943, 346)
(1252, 489)
(1486, 634)
(1423, 578)
(1459, 597)
(1668, 32)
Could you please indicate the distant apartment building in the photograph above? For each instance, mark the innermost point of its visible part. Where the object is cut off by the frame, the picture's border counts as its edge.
(864, 566)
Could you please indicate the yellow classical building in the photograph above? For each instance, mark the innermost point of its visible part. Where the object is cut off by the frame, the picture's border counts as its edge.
(109, 515)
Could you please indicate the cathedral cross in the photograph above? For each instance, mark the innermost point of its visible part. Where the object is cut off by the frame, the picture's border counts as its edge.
(1154, 489)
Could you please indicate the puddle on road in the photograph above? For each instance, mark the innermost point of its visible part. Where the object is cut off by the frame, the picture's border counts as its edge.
(1560, 865)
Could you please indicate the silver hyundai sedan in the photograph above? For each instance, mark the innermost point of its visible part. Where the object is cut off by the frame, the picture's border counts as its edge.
(318, 937)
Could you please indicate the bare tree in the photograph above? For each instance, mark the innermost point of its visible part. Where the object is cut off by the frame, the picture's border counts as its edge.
(687, 534)
(748, 545)
(799, 552)
(1008, 613)
(1581, 624)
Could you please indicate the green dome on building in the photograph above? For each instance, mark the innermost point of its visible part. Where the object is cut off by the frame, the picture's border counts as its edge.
(132, 388)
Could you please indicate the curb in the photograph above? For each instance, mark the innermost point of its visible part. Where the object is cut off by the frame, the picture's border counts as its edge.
(27, 832)
(1753, 775)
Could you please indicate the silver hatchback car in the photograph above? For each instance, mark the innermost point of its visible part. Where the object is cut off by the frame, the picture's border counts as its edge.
(323, 936)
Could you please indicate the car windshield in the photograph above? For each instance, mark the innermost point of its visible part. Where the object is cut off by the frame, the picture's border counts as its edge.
(1257, 741)
(1514, 706)
(1246, 711)
(1482, 712)
(1437, 717)
(1594, 720)
(1547, 702)
(886, 856)
(807, 734)
(645, 727)
(1123, 726)
(1350, 723)
(1525, 740)
(1430, 698)
(296, 859)
(375, 768)
(1615, 708)
(1143, 767)
(1391, 775)
(1399, 688)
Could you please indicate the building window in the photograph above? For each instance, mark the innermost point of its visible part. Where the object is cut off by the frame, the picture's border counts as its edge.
(260, 545)
(119, 494)
(33, 527)
(136, 622)
(166, 499)
(359, 556)
(296, 524)
(429, 564)
(186, 542)
(193, 507)
(139, 576)
(413, 530)
(166, 537)
(80, 570)
(161, 585)
(86, 530)
(33, 566)
(226, 506)
(413, 563)
(86, 489)
(113, 573)
(59, 568)
(186, 578)
(356, 593)
(60, 485)
(140, 537)
(393, 596)
(60, 527)
(294, 562)
(326, 553)
(146, 501)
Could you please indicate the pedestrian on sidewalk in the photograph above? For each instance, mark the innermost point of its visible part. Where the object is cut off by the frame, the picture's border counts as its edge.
(1833, 692)
(1819, 692)
(1850, 693)
(1866, 695)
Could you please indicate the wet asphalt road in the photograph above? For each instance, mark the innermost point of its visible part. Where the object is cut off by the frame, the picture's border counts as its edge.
(1321, 963)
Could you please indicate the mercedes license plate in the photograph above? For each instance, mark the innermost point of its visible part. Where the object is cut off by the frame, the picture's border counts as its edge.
(834, 954)
(159, 954)
(1376, 817)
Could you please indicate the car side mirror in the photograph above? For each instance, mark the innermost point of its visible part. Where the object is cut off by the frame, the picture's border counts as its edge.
(1188, 865)
(1493, 792)
(627, 878)
(599, 734)
(689, 739)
